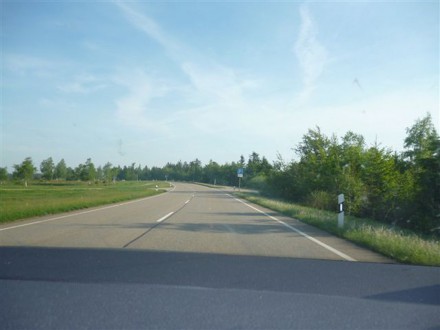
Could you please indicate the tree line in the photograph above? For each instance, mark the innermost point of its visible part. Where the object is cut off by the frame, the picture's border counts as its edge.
(194, 171)
(400, 189)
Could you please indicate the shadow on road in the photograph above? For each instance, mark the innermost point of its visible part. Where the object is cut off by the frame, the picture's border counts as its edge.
(388, 282)
(423, 295)
(53, 288)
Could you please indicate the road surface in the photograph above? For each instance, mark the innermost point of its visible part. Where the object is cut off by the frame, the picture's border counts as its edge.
(197, 257)
(189, 218)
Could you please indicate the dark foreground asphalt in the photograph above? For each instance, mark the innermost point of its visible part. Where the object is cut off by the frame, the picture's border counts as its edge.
(59, 288)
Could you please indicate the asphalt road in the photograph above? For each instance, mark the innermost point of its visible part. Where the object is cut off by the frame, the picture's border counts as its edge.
(188, 218)
(197, 258)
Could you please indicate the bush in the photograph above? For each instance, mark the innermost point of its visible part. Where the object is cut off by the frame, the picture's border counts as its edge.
(322, 200)
(258, 182)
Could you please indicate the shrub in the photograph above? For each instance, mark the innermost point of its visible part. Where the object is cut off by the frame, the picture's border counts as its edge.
(258, 182)
(322, 200)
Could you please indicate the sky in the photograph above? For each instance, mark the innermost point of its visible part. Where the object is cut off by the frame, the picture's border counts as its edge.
(154, 82)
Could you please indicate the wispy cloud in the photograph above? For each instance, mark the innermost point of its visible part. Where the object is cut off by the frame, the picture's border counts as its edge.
(217, 82)
(311, 54)
(148, 26)
(23, 65)
(219, 103)
(204, 74)
(83, 84)
(132, 109)
(216, 91)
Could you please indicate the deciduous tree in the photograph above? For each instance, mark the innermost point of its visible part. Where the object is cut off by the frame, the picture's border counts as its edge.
(422, 146)
(47, 168)
(3, 174)
(61, 170)
(25, 171)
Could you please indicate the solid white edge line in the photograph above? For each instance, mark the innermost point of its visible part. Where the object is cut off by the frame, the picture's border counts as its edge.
(325, 246)
(83, 212)
(165, 217)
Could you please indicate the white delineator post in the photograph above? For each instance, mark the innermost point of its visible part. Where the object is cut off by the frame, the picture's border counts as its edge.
(341, 210)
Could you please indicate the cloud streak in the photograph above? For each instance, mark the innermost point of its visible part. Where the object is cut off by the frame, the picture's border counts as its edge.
(28, 65)
(83, 84)
(311, 54)
(149, 27)
(215, 90)
(134, 108)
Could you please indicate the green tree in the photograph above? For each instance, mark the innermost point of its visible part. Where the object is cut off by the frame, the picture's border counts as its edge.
(253, 165)
(61, 170)
(71, 174)
(25, 171)
(131, 173)
(3, 174)
(169, 171)
(319, 168)
(80, 172)
(422, 152)
(381, 178)
(352, 155)
(265, 166)
(47, 168)
(157, 173)
(421, 140)
(108, 172)
(242, 161)
(90, 170)
(86, 172)
(196, 170)
(146, 174)
(212, 173)
(99, 173)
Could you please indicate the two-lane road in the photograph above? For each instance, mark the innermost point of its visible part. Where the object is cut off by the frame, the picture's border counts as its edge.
(198, 258)
(189, 218)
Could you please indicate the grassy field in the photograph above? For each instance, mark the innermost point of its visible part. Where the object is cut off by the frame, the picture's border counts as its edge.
(400, 245)
(18, 202)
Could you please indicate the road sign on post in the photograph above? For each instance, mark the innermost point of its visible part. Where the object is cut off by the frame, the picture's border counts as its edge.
(240, 172)
(341, 201)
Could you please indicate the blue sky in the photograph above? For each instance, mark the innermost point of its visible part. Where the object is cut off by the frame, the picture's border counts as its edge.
(157, 82)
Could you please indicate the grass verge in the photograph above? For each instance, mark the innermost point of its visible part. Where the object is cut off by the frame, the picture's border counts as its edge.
(401, 245)
(18, 202)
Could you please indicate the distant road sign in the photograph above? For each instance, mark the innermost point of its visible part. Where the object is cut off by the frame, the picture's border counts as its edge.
(240, 172)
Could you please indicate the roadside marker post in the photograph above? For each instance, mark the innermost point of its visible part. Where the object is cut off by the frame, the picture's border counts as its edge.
(341, 201)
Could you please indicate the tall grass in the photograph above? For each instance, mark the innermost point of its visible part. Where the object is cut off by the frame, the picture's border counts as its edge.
(18, 202)
(401, 245)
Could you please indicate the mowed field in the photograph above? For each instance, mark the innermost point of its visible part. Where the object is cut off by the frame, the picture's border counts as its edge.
(19, 202)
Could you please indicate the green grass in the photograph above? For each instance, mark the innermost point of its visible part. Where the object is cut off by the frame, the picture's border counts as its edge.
(401, 245)
(18, 202)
